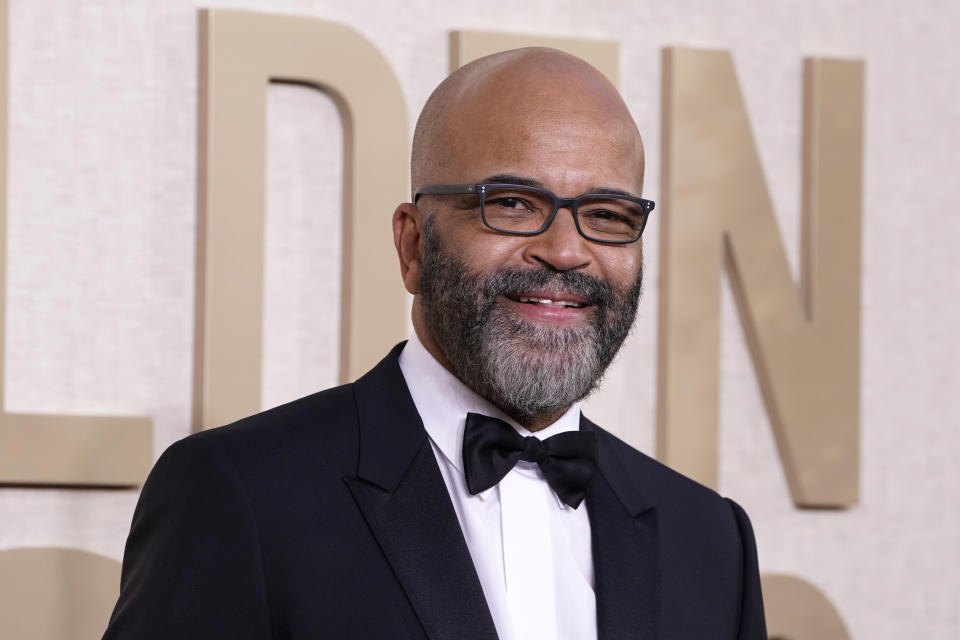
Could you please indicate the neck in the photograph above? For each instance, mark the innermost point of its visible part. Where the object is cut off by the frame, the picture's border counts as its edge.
(541, 422)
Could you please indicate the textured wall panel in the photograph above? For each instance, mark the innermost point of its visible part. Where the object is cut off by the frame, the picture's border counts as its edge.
(101, 237)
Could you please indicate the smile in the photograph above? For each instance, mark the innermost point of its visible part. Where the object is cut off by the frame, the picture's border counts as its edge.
(558, 303)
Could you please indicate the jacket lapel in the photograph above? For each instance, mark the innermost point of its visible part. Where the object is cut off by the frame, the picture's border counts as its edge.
(626, 554)
(399, 490)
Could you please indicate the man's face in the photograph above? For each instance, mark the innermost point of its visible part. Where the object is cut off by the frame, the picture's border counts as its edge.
(527, 367)
(529, 322)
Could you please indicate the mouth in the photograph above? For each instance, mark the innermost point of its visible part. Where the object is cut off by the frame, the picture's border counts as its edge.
(572, 304)
(553, 307)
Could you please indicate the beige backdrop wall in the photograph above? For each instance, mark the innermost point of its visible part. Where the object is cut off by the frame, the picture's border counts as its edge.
(101, 241)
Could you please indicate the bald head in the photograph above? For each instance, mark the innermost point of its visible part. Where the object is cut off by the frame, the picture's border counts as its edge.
(523, 92)
(537, 119)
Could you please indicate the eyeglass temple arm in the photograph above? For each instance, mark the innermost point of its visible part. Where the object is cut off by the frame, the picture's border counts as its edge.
(444, 190)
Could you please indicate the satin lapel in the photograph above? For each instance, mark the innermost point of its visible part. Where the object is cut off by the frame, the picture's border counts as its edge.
(399, 490)
(626, 553)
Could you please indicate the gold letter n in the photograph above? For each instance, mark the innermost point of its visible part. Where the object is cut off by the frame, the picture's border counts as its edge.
(805, 344)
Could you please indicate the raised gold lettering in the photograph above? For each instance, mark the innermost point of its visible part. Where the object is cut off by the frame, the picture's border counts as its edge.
(715, 210)
(51, 593)
(797, 610)
(240, 53)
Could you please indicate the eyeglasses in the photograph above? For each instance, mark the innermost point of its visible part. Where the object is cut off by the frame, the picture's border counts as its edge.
(521, 210)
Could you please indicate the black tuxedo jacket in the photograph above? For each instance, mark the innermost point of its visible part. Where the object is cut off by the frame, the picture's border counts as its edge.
(328, 518)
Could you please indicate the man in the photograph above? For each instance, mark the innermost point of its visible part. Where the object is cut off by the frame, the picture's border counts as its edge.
(455, 491)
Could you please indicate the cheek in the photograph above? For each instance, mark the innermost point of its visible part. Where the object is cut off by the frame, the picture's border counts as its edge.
(621, 269)
(482, 250)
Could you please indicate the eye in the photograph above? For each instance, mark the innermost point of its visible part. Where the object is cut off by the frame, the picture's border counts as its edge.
(510, 202)
(606, 216)
(611, 219)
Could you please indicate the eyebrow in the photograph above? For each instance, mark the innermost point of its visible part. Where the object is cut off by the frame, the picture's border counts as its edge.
(506, 178)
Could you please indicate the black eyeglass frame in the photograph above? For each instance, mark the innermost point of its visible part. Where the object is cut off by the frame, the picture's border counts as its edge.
(558, 203)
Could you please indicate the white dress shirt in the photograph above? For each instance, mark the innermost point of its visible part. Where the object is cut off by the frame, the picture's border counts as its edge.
(531, 551)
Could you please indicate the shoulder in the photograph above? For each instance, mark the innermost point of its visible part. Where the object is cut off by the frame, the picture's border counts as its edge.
(321, 414)
(645, 473)
(217, 501)
(317, 432)
(680, 501)
(706, 545)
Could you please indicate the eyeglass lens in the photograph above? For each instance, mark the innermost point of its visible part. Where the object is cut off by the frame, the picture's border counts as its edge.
(526, 210)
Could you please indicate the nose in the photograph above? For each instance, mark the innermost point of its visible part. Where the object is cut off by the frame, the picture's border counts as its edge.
(561, 246)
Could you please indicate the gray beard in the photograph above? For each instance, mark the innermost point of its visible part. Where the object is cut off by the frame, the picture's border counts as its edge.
(526, 369)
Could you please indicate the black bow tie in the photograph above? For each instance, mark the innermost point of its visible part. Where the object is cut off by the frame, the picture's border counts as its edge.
(491, 447)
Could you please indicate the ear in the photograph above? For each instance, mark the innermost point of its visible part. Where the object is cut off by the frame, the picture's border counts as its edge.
(408, 239)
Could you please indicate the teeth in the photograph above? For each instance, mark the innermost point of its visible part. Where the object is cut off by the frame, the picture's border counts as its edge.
(559, 303)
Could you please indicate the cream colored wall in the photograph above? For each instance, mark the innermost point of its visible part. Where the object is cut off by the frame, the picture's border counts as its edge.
(101, 217)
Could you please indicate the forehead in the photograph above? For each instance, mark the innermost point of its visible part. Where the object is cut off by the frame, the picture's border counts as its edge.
(557, 125)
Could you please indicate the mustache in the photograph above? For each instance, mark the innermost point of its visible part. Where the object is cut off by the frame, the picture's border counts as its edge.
(514, 279)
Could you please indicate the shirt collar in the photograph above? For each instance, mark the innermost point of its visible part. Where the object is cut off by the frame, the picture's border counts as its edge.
(443, 402)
